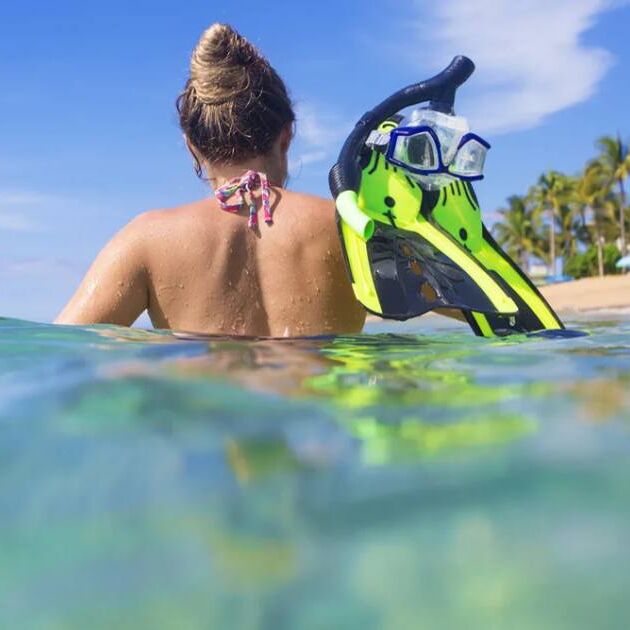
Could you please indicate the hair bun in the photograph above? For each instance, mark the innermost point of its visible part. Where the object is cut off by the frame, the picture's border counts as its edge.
(220, 64)
(222, 43)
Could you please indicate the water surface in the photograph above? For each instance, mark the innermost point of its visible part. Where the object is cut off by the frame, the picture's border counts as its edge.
(423, 479)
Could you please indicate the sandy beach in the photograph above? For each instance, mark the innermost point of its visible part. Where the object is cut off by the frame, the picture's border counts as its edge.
(588, 294)
(568, 298)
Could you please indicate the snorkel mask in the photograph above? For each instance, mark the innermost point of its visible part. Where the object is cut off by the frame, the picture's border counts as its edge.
(434, 148)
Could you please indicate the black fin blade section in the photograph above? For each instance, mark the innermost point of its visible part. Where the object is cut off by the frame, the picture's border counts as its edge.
(411, 276)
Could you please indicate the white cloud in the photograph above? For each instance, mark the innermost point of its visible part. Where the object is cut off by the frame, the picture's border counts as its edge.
(530, 58)
(17, 206)
(15, 222)
(318, 126)
(309, 157)
(36, 266)
(24, 198)
(320, 133)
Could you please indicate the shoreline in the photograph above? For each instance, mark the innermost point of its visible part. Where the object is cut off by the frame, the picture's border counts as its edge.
(589, 294)
(595, 296)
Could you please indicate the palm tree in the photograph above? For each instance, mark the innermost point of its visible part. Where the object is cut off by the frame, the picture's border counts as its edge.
(614, 159)
(517, 230)
(593, 197)
(569, 217)
(548, 195)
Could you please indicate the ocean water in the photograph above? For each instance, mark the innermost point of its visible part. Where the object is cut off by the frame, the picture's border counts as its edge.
(421, 478)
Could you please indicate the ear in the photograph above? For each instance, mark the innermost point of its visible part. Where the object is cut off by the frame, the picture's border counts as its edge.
(285, 137)
(198, 162)
(190, 147)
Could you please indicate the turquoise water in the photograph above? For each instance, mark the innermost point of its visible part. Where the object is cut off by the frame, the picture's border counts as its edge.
(420, 480)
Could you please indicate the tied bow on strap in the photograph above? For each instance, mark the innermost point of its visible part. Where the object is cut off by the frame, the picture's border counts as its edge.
(241, 185)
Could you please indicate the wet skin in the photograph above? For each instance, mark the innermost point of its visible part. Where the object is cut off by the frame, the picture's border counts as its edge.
(199, 268)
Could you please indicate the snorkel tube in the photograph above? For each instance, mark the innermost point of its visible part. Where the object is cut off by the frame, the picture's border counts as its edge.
(345, 176)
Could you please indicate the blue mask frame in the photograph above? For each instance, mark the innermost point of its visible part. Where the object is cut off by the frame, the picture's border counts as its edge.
(405, 132)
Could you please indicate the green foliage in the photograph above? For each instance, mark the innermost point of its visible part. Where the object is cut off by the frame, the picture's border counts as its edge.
(614, 163)
(614, 157)
(517, 230)
(561, 214)
(551, 199)
(585, 263)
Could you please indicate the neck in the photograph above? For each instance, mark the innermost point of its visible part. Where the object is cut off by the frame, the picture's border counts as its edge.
(219, 174)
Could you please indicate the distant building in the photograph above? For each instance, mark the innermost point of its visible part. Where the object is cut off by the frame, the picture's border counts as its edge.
(537, 270)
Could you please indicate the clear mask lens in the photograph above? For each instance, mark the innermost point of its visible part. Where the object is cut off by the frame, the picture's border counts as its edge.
(418, 150)
(469, 159)
(435, 148)
(448, 128)
(449, 139)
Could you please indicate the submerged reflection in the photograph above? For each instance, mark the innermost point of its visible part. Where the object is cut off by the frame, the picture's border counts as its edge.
(399, 397)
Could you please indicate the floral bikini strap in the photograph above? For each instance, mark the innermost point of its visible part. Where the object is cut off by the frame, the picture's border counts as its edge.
(241, 185)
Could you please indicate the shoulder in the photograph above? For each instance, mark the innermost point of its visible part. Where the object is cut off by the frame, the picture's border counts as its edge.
(166, 225)
(309, 201)
(135, 240)
(318, 212)
(168, 218)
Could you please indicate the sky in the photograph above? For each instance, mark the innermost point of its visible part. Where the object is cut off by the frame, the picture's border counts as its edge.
(88, 128)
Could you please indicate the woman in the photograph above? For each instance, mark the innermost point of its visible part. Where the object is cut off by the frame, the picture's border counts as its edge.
(212, 266)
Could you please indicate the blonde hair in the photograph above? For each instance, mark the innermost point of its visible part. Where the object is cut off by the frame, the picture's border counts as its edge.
(234, 104)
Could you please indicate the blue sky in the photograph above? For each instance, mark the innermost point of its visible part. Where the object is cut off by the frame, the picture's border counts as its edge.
(89, 136)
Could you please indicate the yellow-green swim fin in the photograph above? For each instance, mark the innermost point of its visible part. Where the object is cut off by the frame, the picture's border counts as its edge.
(455, 210)
(409, 250)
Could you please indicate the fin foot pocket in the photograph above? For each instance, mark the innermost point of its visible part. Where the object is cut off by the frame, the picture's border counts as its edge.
(412, 276)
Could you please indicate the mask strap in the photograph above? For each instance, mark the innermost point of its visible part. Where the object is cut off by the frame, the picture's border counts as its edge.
(377, 140)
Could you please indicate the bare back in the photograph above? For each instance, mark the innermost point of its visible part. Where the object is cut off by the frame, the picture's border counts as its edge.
(210, 272)
(204, 270)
